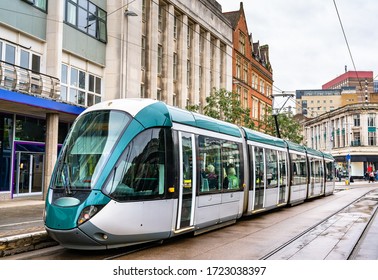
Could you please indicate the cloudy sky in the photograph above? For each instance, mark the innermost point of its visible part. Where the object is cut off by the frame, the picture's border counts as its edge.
(306, 43)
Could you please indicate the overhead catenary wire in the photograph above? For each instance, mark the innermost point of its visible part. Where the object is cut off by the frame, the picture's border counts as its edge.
(347, 43)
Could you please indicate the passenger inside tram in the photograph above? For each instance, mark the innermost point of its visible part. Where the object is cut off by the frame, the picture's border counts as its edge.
(231, 181)
(212, 177)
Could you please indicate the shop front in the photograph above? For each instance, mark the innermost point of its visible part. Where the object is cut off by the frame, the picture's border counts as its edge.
(27, 123)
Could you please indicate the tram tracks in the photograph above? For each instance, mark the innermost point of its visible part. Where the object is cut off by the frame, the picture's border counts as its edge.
(335, 237)
(137, 248)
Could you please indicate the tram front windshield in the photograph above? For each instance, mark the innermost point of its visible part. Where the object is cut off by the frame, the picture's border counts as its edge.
(87, 148)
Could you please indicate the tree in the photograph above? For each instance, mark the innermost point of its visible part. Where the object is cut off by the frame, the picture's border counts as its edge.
(225, 105)
(289, 128)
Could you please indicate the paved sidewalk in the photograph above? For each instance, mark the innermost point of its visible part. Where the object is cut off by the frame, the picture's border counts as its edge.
(21, 226)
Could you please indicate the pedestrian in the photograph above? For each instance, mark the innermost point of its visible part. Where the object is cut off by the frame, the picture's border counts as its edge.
(371, 177)
(339, 174)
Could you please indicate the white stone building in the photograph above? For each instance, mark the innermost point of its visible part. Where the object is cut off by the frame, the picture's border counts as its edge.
(58, 57)
(349, 133)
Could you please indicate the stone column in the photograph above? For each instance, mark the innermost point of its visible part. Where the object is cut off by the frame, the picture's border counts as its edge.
(195, 65)
(216, 71)
(168, 51)
(54, 38)
(152, 51)
(183, 56)
(51, 148)
(206, 71)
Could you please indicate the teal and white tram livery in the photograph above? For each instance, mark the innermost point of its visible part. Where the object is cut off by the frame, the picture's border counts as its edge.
(138, 170)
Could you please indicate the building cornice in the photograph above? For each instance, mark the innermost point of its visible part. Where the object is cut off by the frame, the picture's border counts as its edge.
(347, 109)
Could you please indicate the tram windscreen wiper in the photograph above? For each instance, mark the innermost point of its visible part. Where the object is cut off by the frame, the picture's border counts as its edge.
(66, 179)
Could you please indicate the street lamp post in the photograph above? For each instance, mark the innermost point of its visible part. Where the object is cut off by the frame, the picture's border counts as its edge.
(127, 13)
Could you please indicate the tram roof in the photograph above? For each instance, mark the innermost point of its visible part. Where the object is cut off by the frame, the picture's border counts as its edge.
(204, 122)
(264, 138)
(314, 152)
(296, 147)
(328, 156)
(152, 113)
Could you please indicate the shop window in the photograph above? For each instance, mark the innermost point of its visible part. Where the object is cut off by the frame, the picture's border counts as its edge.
(30, 129)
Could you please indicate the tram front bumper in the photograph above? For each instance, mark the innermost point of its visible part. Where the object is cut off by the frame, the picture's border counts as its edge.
(74, 239)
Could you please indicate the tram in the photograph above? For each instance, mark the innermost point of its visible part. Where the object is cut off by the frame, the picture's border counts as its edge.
(137, 170)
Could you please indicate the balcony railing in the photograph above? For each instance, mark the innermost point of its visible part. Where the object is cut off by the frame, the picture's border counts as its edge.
(16, 78)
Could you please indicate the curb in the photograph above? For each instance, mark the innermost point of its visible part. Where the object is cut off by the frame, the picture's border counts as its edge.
(24, 243)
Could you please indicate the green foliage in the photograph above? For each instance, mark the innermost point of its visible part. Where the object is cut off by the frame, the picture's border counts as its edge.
(289, 128)
(192, 108)
(225, 105)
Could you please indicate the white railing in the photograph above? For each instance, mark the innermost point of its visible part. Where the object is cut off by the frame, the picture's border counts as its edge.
(19, 79)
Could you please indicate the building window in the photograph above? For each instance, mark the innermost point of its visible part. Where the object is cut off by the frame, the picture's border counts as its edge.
(30, 61)
(30, 129)
(142, 91)
(242, 43)
(87, 17)
(160, 19)
(245, 72)
(371, 120)
(262, 86)
(254, 81)
(255, 108)
(356, 140)
(40, 4)
(356, 120)
(262, 111)
(175, 27)
(371, 138)
(175, 62)
(188, 73)
(143, 54)
(160, 60)
(245, 99)
(144, 10)
(238, 67)
(188, 36)
(10, 54)
(80, 87)
(158, 94)
(200, 77)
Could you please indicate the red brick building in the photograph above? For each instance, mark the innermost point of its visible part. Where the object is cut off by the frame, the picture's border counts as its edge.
(252, 72)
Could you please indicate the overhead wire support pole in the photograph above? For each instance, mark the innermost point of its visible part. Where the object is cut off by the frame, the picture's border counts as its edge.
(276, 112)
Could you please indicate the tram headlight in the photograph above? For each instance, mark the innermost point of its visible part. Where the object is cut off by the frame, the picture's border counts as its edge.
(87, 213)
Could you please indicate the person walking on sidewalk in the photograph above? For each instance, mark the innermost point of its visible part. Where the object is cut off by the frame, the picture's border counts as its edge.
(371, 177)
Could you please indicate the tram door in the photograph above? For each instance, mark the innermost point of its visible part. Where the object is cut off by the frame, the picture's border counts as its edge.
(187, 191)
(259, 186)
(29, 173)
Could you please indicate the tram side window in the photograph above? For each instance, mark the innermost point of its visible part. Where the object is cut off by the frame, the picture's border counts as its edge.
(329, 171)
(299, 168)
(316, 170)
(259, 167)
(210, 164)
(272, 168)
(231, 165)
(140, 171)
